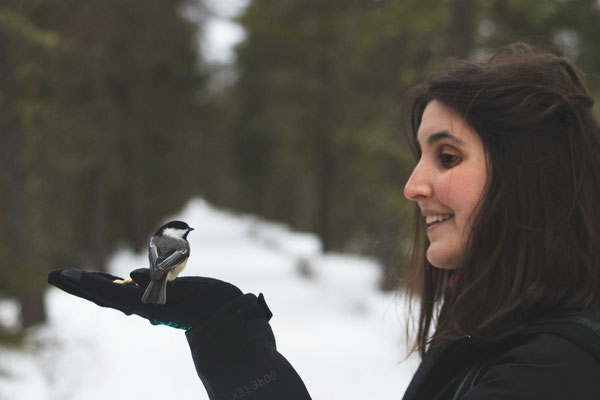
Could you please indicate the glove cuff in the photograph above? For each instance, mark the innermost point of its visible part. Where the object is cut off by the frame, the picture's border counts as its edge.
(237, 323)
(235, 355)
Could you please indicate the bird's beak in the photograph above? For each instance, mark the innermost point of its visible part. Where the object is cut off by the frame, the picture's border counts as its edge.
(190, 229)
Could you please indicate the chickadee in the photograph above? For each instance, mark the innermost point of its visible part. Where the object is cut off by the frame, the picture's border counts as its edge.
(168, 253)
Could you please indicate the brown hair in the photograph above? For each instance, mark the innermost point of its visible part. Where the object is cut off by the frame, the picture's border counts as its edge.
(534, 248)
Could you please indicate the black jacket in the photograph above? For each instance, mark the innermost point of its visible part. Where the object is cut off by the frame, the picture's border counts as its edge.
(236, 358)
(550, 359)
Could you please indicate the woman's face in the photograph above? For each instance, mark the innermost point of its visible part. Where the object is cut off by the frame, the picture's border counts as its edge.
(447, 182)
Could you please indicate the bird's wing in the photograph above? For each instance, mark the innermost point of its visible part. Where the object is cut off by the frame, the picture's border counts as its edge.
(152, 255)
(175, 258)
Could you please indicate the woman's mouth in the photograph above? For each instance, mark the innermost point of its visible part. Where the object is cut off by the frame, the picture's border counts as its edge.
(437, 219)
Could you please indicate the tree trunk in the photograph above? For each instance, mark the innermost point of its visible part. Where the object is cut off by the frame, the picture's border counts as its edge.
(15, 206)
(99, 220)
(461, 27)
(33, 310)
(134, 149)
(325, 175)
(325, 159)
(98, 190)
(325, 130)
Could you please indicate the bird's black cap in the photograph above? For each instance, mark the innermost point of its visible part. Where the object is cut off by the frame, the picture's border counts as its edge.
(174, 225)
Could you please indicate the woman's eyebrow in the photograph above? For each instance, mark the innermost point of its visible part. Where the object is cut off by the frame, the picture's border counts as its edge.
(436, 137)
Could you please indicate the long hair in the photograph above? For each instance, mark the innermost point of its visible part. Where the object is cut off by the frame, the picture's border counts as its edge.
(534, 247)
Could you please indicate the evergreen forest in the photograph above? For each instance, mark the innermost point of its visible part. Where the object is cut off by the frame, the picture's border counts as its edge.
(111, 118)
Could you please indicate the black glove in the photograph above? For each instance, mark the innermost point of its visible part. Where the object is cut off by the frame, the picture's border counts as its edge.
(232, 344)
(190, 300)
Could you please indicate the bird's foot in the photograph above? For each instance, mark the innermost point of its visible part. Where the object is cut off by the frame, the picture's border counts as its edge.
(125, 282)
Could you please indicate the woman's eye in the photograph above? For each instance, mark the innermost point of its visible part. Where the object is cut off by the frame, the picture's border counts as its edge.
(449, 160)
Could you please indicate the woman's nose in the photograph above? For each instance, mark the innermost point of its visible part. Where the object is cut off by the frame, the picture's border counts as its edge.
(418, 186)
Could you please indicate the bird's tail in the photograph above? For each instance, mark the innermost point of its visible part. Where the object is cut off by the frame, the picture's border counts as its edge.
(156, 292)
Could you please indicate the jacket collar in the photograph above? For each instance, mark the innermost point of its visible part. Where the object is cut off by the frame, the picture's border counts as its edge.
(444, 362)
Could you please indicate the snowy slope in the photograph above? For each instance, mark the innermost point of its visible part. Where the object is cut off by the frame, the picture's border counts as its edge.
(344, 337)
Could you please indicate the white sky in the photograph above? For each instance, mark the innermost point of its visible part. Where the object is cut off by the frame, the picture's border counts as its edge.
(221, 34)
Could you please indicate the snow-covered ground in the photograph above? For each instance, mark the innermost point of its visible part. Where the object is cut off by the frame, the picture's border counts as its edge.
(345, 338)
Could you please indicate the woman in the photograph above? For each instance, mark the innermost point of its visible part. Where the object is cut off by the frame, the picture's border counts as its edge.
(506, 256)
(507, 248)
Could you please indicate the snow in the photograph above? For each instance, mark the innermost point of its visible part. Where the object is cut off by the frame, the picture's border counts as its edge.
(344, 337)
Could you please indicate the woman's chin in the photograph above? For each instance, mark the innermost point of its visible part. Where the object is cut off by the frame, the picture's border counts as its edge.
(440, 258)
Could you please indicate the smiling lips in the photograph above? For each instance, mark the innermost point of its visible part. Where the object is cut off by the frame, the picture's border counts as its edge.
(436, 219)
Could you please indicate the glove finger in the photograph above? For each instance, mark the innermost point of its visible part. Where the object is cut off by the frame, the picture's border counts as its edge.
(55, 278)
(208, 287)
(106, 276)
(199, 293)
(101, 290)
(141, 276)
